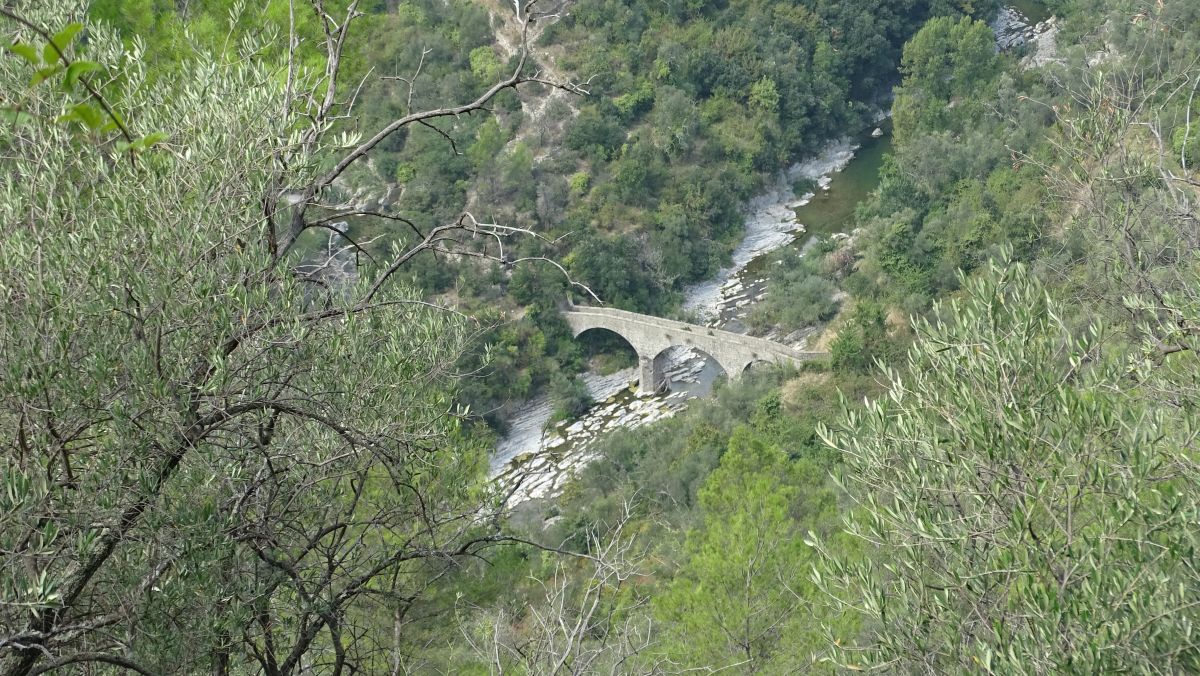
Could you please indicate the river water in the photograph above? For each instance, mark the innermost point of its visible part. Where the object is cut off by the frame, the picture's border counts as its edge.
(536, 459)
(1017, 22)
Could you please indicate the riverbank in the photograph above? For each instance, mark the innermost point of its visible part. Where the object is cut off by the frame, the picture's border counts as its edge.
(535, 459)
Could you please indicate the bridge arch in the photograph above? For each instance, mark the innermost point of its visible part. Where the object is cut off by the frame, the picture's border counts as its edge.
(665, 361)
(600, 339)
(753, 363)
(651, 336)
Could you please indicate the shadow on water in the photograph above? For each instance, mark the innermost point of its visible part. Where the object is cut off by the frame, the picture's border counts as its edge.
(832, 211)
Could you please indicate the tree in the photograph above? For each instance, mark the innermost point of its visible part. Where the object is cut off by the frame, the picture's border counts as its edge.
(800, 294)
(946, 60)
(227, 446)
(570, 396)
(736, 597)
(948, 57)
(764, 96)
(487, 144)
(863, 339)
(674, 121)
(614, 269)
(1031, 508)
(1185, 141)
(590, 618)
(485, 65)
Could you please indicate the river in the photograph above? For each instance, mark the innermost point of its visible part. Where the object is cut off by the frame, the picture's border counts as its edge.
(843, 174)
(544, 457)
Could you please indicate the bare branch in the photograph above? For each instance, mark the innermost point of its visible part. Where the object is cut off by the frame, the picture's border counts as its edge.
(104, 658)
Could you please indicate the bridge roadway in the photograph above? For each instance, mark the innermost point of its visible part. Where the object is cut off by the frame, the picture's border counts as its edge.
(651, 336)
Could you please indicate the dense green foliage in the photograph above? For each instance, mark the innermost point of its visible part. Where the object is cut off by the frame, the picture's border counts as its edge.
(1025, 489)
(951, 194)
(739, 595)
(214, 460)
(692, 107)
(802, 290)
(1016, 492)
(722, 496)
(720, 94)
(1032, 509)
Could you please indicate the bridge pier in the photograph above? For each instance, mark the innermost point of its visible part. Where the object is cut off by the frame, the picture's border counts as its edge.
(650, 380)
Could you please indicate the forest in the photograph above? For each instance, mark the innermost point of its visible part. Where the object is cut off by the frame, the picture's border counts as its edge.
(279, 274)
(634, 188)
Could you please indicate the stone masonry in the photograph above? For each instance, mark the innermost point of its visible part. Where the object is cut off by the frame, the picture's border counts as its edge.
(651, 336)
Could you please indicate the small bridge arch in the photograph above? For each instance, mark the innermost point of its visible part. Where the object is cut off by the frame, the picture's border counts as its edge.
(651, 336)
(602, 339)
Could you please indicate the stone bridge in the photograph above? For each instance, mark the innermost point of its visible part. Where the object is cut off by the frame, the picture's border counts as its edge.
(651, 336)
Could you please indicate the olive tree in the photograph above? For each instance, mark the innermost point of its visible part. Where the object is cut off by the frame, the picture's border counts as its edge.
(217, 454)
(1029, 485)
(1028, 504)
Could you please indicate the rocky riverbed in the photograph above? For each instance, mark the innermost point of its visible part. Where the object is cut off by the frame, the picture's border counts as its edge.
(535, 458)
(1014, 28)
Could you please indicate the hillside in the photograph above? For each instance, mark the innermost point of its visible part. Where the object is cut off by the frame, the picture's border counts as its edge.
(279, 275)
